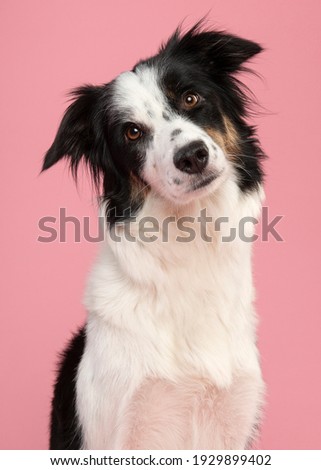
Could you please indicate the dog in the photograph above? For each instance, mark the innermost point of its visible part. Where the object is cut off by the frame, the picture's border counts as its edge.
(168, 356)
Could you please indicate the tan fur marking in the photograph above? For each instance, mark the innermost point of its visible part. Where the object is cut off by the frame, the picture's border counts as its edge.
(232, 139)
(227, 140)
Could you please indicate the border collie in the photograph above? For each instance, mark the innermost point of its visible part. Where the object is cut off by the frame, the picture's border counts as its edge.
(168, 356)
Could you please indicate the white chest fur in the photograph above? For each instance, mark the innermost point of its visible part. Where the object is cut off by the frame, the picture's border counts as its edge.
(169, 313)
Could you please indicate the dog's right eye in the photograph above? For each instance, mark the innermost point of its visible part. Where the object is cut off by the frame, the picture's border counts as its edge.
(133, 132)
(189, 100)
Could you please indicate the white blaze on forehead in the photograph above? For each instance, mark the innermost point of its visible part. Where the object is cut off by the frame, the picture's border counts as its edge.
(139, 94)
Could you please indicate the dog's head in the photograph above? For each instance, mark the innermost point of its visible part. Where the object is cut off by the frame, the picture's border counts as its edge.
(174, 125)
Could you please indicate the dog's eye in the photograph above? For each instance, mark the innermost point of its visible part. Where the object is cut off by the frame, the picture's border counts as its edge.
(190, 100)
(133, 132)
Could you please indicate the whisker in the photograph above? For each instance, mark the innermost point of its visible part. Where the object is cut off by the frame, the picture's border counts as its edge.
(242, 155)
(241, 167)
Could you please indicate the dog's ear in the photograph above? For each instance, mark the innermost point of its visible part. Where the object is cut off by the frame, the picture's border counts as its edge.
(228, 53)
(81, 132)
(216, 50)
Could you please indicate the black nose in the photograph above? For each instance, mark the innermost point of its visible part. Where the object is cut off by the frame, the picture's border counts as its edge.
(192, 158)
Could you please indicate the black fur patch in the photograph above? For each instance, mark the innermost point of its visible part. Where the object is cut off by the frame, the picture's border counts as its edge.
(176, 132)
(64, 429)
(166, 116)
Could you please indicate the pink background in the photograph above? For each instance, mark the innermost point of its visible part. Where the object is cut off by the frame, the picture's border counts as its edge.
(48, 47)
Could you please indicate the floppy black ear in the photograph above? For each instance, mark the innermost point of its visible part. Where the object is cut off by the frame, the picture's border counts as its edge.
(81, 132)
(217, 50)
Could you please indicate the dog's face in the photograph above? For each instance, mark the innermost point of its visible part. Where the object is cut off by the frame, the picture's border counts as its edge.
(163, 123)
(174, 125)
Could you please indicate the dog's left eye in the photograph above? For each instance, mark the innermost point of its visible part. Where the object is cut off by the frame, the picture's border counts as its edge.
(133, 132)
(190, 100)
